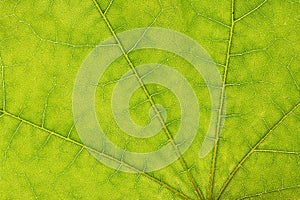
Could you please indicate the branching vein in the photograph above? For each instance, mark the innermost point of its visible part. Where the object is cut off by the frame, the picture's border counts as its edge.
(214, 159)
(103, 154)
(148, 95)
(270, 191)
(239, 165)
(253, 10)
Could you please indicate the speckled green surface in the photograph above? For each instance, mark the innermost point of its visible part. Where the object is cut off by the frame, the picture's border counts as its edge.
(256, 46)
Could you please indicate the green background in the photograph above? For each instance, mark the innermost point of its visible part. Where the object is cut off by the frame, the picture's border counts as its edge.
(255, 45)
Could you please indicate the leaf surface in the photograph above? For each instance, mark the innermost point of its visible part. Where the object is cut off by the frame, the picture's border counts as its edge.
(255, 45)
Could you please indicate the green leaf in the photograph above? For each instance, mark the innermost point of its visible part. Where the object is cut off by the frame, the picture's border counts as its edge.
(255, 46)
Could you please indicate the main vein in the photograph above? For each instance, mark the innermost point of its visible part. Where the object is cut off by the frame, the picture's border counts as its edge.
(254, 149)
(103, 154)
(3, 84)
(186, 169)
(219, 122)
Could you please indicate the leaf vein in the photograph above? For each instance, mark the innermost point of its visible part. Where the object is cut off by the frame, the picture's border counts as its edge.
(270, 191)
(3, 85)
(214, 158)
(126, 56)
(276, 151)
(250, 12)
(180, 194)
(268, 133)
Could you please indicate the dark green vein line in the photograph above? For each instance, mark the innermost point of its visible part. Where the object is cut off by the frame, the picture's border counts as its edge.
(253, 150)
(184, 165)
(218, 130)
(97, 152)
(268, 192)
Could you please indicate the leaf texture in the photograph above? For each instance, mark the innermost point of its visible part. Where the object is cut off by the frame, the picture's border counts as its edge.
(255, 45)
